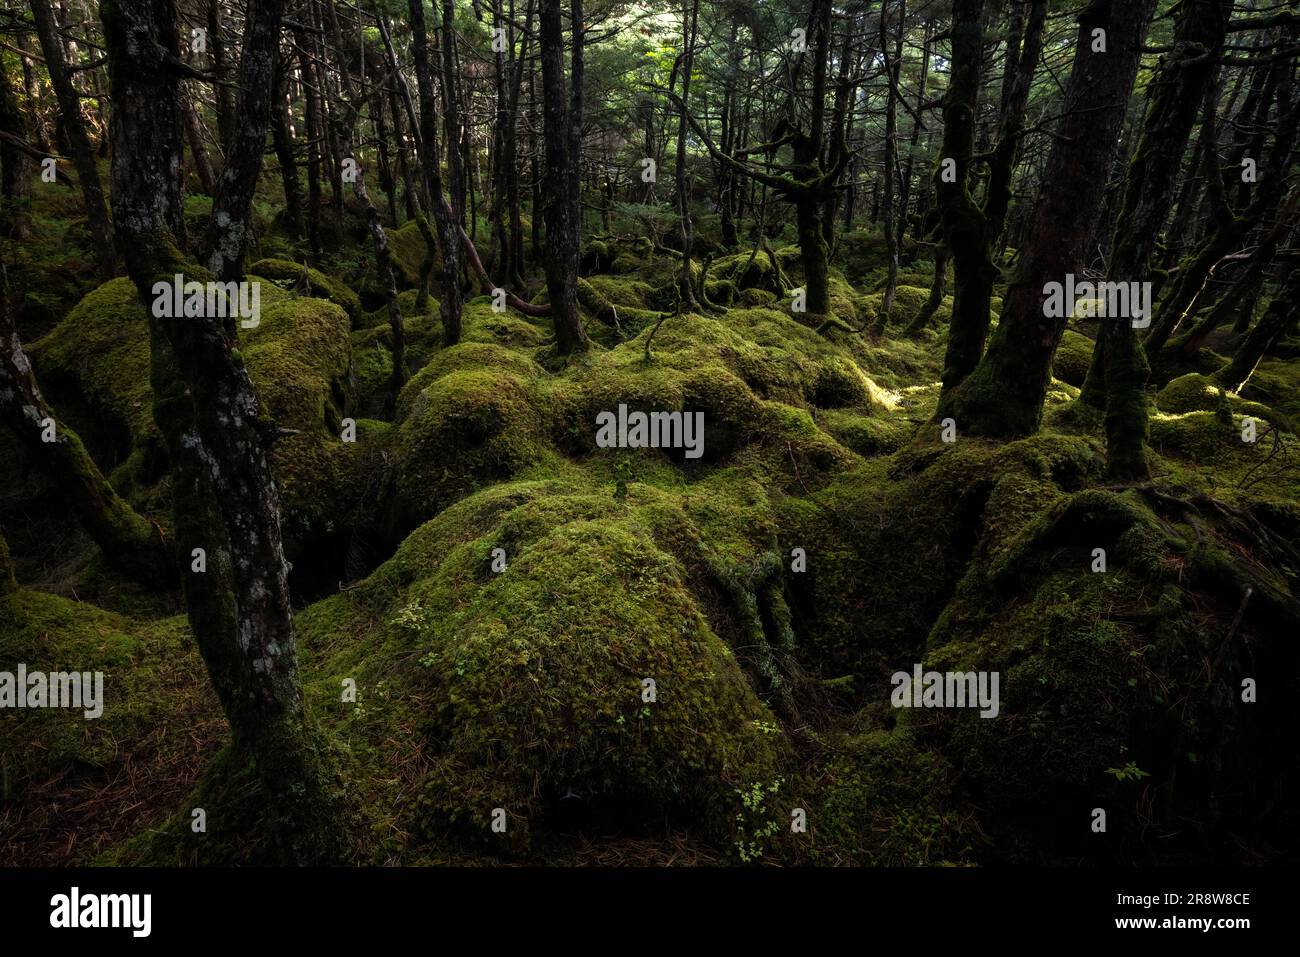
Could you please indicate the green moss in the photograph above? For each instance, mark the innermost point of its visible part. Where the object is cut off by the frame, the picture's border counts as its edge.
(139, 753)
(1073, 356)
(1189, 393)
(462, 430)
(96, 363)
(100, 354)
(289, 274)
(908, 301)
(866, 435)
(300, 359)
(328, 487)
(883, 801)
(588, 603)
(408, 250)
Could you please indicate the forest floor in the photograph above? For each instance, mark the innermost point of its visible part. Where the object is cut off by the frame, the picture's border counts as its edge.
(498, 589)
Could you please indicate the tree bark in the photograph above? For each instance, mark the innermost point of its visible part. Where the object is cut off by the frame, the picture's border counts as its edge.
(15, 168)
(426, 144)
(561, 127)
(1004, 395)
(282, 139)
(228, 228)
(83, 157)
(690, 17)
(224, 494)
(1277, 318)
(202, 165)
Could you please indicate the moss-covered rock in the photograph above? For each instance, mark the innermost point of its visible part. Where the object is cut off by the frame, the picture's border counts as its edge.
(300, 359)
(460, 430)
(534, 676)
(288, 275)
(1073, 357)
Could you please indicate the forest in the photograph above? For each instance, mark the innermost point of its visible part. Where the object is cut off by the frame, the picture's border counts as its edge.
(678, 432)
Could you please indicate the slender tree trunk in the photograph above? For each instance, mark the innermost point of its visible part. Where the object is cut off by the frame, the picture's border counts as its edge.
(1176, 96)
(403, 166)
(387, 177)
(1278, 317)
(15, 168)
(1246, 288)
(427, 148)
(501, 257)
(938, 288)
(311, 119)
(225, 107)
(224, 494)
(456, 180)
(515, 269)
(1229, 229)
(32, 87)
(383, 258)
(914, 137)
(83, 157)
(228, 228)
(964, 223)
(893, 68)
(282, 138)
(202, 165)
(690, 16)
(562, 127)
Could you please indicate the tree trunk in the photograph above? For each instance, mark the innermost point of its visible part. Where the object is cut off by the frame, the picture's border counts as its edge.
(220, 66)
(560, 251)
(893, 67)
(515, 269)
(1176, 96)
(311, 119)
(1004, 395)
(202, 165)
(282, 138)
(426, 144)
(15, 168)
(1246, 288)
(690, 16)
(228, 228)
(83, 157)
(938, 286)
(224, 494)
(965, 227)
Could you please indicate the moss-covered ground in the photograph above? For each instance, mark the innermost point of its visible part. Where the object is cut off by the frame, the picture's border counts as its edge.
(565, 653)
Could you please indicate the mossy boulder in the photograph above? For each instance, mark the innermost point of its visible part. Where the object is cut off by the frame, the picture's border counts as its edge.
(288, 275)
(158, 719)
(533, 678)
(1073, 357)
(94, 366)
(462, 429)
(300, 359)
(1190, 393)
(97, 360)
(408, 250)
